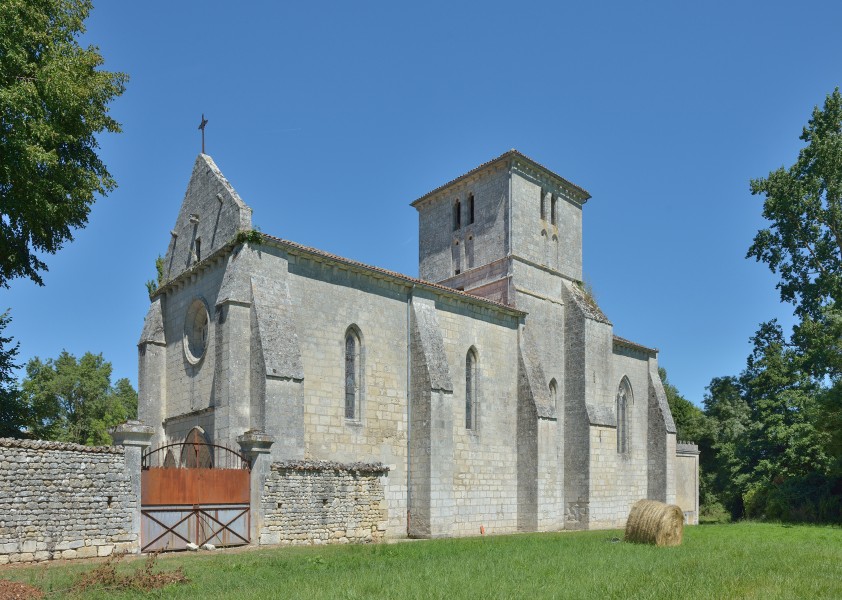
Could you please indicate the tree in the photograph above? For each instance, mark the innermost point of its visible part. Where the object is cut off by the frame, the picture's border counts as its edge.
(73, 400)
(769, 450)
(53, 103)
(730, 417)
(803, 246)
(693, 425)
(804, 204)
(690, 422)
(11, 408)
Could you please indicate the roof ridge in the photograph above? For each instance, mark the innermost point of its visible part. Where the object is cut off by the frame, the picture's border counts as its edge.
(395, 274)
(627, 342)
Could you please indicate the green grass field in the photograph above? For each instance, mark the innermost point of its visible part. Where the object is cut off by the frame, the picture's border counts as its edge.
(743, 560)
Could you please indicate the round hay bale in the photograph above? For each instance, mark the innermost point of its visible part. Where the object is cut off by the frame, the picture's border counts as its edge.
(653, 522)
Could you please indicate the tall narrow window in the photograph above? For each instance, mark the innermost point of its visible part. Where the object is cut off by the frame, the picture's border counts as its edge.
(554, 395)
(543, 205)
(470, 209)
(353, 378)
(198, 248)
(456, 257)
(471, 389)
(553, 201)
(457, 215)
(624, 402)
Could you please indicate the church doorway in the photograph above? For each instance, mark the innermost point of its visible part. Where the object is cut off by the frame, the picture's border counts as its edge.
(194, 492)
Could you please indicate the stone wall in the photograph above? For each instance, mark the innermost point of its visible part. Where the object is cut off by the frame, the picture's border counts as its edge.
(64, 501)
(687, 480)
(320, 502)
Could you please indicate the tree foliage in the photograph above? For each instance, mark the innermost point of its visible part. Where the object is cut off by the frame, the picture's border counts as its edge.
(690, 421)
(73, 400)
(777, 441)
(53, 102)
(803, 244)
(11, 408)
(770, 452)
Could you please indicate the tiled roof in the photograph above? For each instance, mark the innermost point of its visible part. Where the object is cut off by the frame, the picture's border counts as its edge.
(503, 156)
(629, 343)
(392, 274)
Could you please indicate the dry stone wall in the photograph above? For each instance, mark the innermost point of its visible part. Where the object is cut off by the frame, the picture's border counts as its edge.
(63, 501)
(320, 502)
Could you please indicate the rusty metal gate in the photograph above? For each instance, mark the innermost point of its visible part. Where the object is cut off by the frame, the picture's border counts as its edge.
(194, 492)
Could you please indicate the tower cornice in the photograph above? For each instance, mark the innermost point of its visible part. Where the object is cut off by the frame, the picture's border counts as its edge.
(521, 163)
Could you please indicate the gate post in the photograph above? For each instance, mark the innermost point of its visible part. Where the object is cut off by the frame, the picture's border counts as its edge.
(134, 437)
(255, 446)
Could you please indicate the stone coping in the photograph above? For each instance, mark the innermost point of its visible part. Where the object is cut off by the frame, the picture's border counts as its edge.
(63, 446)
(327, 465)
(688, 447)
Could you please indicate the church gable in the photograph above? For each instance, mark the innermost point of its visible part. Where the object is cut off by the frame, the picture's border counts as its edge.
(211, 214)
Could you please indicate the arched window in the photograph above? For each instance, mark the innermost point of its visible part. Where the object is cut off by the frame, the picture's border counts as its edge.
(353, 373)
(625, 399)
(196, 453)
(554, 394)
(553, 200)
(457, 215)
(470, 209)
(471, 389)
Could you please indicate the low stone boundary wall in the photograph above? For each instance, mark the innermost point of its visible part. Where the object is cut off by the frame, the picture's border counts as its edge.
(315, 502)
(687, 480)
(64, 501)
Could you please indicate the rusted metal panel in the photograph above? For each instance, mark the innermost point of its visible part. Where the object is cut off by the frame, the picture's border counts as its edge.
(169, 528)
(161, 486)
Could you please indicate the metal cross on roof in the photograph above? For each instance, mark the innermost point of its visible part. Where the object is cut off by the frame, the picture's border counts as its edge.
(202, 127)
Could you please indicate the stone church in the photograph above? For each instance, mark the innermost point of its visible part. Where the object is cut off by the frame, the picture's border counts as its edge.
(491, 388)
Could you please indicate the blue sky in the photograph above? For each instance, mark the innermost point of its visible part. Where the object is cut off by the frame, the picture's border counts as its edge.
(329, 118)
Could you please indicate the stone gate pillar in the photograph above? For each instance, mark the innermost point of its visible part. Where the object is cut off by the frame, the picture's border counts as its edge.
(256, 446)
(134, 437)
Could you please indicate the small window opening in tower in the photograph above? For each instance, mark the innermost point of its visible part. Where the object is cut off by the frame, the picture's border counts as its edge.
(198, 249)
(457, 215)
(470, 209)
(543, 206)
(553, 209)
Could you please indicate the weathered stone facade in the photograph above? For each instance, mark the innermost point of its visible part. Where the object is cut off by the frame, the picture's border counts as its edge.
(493, 387)
(64, 501)
(687, 481)
(318, 502)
